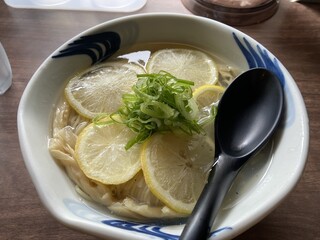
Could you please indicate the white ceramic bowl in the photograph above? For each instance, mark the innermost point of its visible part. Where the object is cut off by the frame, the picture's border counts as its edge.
(259, 188)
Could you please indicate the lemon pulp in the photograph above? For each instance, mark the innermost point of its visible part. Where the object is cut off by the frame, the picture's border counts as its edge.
(100, 89)
(176, 168)
(208, 94)
(101, 155)
(187, 64)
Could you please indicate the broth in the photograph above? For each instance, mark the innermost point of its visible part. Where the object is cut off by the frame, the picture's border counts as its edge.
(133, 198)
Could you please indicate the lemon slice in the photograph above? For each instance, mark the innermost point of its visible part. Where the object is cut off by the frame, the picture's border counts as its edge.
(186, 64)
(176, 168)
(208, 94)
(101, 155)
(99, 89)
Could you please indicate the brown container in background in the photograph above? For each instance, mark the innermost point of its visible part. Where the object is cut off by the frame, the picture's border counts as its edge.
(233, 12)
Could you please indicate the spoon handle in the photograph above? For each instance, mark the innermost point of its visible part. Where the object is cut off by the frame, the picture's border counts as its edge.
(219, 181)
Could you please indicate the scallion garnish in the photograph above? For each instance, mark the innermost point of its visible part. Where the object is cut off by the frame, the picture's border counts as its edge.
(159, 102)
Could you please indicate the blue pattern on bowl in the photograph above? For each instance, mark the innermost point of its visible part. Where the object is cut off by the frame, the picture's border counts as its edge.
(260, 57)
(153, 230)
(83, 211)
(98, 47)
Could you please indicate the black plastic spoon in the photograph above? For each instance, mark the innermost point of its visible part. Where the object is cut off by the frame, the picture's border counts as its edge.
(248, 114)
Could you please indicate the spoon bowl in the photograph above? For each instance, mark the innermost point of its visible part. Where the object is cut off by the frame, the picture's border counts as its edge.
(248, 114)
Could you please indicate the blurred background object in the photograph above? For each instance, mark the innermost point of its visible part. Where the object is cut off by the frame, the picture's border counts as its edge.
(5, 71)
(87, 5)
(234, 12)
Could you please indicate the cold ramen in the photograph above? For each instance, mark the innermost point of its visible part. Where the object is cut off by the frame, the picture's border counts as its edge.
(135, 133)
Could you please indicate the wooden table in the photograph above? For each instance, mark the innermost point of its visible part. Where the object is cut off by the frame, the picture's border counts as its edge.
(29, 36)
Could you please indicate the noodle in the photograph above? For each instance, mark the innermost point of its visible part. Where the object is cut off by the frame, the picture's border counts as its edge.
(131, 199)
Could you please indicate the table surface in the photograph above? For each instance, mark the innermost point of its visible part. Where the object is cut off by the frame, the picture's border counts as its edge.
(30, 35)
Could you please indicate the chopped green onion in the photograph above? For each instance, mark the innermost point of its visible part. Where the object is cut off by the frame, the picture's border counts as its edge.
(159, 102)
